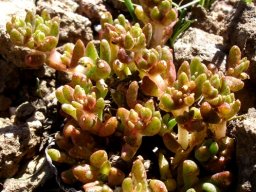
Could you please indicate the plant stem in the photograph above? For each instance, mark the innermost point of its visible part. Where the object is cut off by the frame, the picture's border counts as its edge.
(183, 134)
(129, 5)
(183, 137)
(219, 129)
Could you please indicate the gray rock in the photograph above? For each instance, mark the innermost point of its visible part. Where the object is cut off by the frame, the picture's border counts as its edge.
(73, 26)
(214, 20)
(92, 9)
(245, 133)
(196, 42)
(10, 155)
(242, 33)
(119, 5)
(24, 111)
(65, 5)
(33, 174)
(8, 8)
(243, 96)
(17, 142)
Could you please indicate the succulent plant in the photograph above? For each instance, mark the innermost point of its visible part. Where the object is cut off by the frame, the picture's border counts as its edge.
(137, 181)
(81, 143)
(138, 122)
(38, 33)
(35, 32)
(165, 173)
(156, 69)
(122, 33)
(218, 159)
(162, 17)
(178, 98)
(214, 89)
(219, 103)
(127, 88)
(96, 175)
(190, 172)
(85, 60)
(82, 103)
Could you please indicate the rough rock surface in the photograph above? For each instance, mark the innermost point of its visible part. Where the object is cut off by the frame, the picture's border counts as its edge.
(246, 93)
(25, 133)
(242, 33)
(17, 141)
(73, 26)
(34, 173)
(9, 8)
(22, 140)
(245, 133)
(215, 20)
(119, 5)
(92, 9)
(195, 42)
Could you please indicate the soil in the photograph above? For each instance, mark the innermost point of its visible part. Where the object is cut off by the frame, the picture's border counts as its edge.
(29, 112)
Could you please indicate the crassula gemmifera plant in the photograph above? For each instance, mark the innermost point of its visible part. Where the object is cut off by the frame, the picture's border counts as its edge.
(125, 90)
(38, 33)
(35, 32)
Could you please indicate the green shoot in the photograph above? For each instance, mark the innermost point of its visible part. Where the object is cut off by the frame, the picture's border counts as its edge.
(206, 3)
(129, 5)
(182, 25)
(247, 1)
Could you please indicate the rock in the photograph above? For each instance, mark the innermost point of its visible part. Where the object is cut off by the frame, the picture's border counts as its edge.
(242, 33)
(245, 133)
(92, 9)
(9, 148)
(17, 142)
(246, 93)
(18, 54)
(195, 42)
(65, 5)
(8, 8)
(33, 174)
(24, 111)
(73, 26)
(8, 76)
(118, 5)
(213, 20)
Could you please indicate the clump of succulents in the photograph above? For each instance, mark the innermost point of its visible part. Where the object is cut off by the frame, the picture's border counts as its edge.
(38, 33)
(126, 89)
(138, 122)
(35, 32)
(137, 180)
(162, 17)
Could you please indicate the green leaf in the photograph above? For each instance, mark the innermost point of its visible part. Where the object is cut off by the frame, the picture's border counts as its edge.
(91, 51)
(171, 123)
(129, 5)
(247, 1)
(105, 51)
(196, 67)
